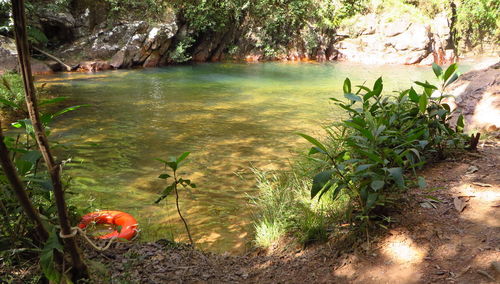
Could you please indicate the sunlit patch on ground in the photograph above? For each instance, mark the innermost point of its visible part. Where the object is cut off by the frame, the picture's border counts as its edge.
(401, 249)
(481, 204)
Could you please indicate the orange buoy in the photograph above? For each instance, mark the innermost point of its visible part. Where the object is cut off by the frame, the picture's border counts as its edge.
(126, 221)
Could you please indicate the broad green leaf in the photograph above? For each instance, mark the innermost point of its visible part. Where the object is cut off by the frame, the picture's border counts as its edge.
(437, 70)
(364, 88)
(347, 86)
(397, 175)
(426, 85)
(315, 150)
(377, 87)
(452, 79)
(32, 156)
(367, 96)
(449, 71)
(374, 157)
(371, 200)
(336, 192)
(361, 168)
(377, 184)
(23, 167)
(422, 103)
(164, 176)
(163, 161)
(366, 133)
(182, 157)
(9, 103)
(6, 84)
(413, 95)
(165, 193)
(46, 118)
(68, 109)
(173, 165)
(47, 257)
(349, 108)
(314, 142)
(352, 97)
(320, 182)
(460, 123)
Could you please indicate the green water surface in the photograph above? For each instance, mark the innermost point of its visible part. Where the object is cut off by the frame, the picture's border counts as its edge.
(231, 117)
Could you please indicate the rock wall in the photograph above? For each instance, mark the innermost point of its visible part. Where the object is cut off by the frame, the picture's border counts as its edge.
(88, 42)
(123, 46)
(376, 40)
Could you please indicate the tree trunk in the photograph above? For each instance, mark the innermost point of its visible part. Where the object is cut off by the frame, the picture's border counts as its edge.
(79, 268)
(17, 186)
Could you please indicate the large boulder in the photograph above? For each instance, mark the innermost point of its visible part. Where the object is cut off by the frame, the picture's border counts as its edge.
(476, 95)
(57, 26)
(133, 44)
(8, 55)
(378, 39)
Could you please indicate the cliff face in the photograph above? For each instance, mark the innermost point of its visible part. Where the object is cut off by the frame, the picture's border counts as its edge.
(84, 37)
(377, 40)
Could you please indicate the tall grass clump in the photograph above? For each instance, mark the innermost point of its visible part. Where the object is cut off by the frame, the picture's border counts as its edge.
(11, 90)
(283, 207)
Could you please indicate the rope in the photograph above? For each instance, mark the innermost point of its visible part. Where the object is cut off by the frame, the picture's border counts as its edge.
(75, 230)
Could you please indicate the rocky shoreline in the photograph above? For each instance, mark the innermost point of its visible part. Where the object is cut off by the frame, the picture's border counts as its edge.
(93, 46)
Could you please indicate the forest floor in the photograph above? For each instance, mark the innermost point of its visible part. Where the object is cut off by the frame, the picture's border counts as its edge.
(456, 240)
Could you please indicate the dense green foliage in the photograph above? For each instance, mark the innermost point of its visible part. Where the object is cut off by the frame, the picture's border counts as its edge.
(384, 138)
(478, 21)
(17, 241)
(364, 166)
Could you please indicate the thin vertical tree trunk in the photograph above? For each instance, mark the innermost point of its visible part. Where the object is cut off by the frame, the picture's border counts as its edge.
(79, 268)
(18, 187)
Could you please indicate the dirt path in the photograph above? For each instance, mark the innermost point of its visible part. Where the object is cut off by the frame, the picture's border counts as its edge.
(429, 242)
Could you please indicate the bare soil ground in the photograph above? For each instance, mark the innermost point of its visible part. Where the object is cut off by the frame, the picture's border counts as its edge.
(456, 240)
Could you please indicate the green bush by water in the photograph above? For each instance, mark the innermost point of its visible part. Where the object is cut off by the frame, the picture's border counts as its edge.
(366, 164)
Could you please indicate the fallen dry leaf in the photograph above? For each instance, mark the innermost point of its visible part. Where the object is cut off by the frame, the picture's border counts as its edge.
(459, 204)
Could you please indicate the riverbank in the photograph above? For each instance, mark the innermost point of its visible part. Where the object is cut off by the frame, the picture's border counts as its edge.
(453, 240)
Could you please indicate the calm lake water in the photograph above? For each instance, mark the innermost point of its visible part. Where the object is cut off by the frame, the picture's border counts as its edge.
(231, 117)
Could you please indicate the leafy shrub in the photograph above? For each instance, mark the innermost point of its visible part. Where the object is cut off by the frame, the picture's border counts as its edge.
(478, 21)
(180, 53)
(384, 138)
(18, 241)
